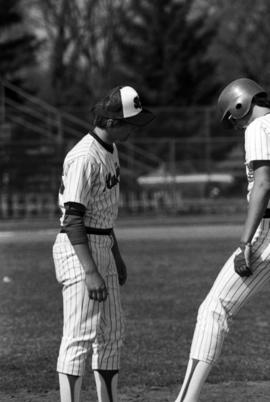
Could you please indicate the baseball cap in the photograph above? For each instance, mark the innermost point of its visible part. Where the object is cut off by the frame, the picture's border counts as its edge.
(123, 102)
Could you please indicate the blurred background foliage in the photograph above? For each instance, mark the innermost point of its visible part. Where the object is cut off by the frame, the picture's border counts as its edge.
(179, 53)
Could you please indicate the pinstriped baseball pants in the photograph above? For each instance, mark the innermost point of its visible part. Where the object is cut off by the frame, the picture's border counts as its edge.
(88, 326)
(228, 294)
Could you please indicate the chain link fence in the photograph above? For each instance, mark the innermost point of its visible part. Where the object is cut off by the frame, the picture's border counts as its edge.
(183, 162)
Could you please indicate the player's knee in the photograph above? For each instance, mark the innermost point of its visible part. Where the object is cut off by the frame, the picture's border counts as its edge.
(213, 310)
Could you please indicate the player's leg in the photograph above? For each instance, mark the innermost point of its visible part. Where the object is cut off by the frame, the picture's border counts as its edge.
(107, 345)
(81, 316)
(106, 385)
(70, 387)
(196, 374)
(228, 294)
(208, 336)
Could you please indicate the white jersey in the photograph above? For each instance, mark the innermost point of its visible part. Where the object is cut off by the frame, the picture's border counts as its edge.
(91, 176)
(257, 146)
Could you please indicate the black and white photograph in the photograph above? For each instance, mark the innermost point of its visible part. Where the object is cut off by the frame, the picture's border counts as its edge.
(134, 201)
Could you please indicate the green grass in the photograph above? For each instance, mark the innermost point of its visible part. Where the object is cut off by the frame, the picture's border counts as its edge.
(167, 281)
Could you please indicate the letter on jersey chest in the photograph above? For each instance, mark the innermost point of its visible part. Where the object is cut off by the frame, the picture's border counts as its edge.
(112, 178)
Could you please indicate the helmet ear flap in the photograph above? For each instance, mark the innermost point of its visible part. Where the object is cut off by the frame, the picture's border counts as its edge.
(239, 111)
(241, 108)
(238, 106)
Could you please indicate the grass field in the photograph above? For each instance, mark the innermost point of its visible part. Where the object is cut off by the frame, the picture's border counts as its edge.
(170, 271)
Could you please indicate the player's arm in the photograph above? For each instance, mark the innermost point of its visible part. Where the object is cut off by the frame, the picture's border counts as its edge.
(259, 198)
(119, 262)
(74, 227)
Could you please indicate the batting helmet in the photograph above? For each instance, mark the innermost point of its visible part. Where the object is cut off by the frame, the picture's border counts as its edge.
(235, 100)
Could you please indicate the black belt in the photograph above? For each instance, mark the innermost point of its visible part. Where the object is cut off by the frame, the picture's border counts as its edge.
(95, 231)
(266, 214)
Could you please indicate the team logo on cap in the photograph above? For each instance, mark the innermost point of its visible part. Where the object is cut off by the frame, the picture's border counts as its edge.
(137, 103)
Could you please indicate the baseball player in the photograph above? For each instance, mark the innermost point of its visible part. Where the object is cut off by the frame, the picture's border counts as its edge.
(243, 104)
(87, 259)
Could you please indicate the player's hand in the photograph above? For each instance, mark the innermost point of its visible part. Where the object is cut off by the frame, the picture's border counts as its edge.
(121, 270)
(242, 260)
(96, 286)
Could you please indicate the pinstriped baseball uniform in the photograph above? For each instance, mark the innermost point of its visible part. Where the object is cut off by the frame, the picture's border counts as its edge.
(230, 291)
(91, 177)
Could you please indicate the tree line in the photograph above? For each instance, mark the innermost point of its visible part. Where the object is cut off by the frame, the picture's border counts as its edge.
(177, 52)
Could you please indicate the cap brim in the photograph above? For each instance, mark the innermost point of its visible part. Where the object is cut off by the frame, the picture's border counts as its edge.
(141, 119)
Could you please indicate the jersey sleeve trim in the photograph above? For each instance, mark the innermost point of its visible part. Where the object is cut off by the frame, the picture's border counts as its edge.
(74, 208)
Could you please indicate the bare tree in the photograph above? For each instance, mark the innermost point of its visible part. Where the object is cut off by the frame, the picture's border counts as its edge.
(80, 47)
(241, 45)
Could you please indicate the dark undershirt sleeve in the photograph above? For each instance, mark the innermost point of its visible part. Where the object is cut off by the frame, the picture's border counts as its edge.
(73, 223)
